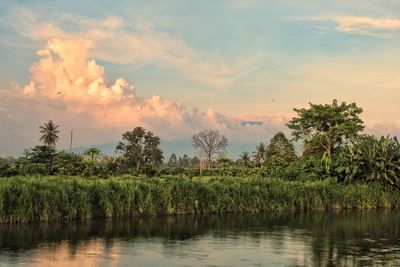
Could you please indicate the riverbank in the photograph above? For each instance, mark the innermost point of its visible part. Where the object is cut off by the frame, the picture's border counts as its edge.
(25, 199)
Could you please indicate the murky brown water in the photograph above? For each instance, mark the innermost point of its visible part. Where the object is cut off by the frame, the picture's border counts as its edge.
(352, 238)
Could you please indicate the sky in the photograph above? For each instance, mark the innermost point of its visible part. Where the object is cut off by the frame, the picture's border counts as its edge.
(101, 68)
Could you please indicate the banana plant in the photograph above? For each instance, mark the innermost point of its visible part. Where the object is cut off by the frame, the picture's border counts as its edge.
(371, 160)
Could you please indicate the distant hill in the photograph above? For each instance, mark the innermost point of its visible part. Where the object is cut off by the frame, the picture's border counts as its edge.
(179, 147)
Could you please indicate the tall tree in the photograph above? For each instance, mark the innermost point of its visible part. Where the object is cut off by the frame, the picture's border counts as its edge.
(327, 125)
(209, 143)
(259, 156)
(49, 132)
(139, 146)
(152, 153)
(281, 147)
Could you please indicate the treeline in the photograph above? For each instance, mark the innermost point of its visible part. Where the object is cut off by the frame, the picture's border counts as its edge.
(333, 147)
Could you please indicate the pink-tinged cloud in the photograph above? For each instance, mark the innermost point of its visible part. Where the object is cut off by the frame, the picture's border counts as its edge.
(67, 86)
(354, 23)
(377, 27)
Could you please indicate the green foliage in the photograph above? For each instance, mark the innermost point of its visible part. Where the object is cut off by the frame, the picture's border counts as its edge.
(49, 133)
(371, 160)
(7, 167)
(114, 165)
(244, 160)
(41, 154)
(38, 161)
(313, 147)
(65, 163)
(140, 147)
(224, 166)
(173, 161)
(260, 155)
(327, 126)
(281, 147)
(275, 167)
(184, 161)
(36, 169)
(65, 198)
(93, 154)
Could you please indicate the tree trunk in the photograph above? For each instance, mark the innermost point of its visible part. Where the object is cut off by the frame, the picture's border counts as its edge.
(138, 165)
(92, 163)
(329, 146)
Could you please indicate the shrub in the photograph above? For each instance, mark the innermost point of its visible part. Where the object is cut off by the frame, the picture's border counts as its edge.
(371, 160)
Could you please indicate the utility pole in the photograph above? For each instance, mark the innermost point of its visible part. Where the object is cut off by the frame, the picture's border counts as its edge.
(70, 143)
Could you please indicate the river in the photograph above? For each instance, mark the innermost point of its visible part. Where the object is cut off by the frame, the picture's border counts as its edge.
(345, 238)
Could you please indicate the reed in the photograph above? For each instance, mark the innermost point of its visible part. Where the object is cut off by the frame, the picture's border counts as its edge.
(25, 199)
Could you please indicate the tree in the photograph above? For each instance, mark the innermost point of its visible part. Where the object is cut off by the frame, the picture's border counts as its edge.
(152, 153)
(259, 156)
(92, 153)
(327, 125)
(39, 160)
(194, 162)
(209, 144)
(173, 161)
(49, 133)
(184, 161)
(41, 154)
(65, 163)
(140, 147)
(244, 159)
(281, 147)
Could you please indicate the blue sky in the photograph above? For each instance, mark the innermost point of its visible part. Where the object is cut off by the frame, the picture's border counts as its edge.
(212, 63)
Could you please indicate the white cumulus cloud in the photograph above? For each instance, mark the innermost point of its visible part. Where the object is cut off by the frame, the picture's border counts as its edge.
(71, 88)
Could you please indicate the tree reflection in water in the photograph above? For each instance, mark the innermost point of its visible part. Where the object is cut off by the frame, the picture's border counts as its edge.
(346, 238)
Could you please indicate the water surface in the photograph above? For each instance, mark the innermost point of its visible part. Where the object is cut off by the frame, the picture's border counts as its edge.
(347, 238)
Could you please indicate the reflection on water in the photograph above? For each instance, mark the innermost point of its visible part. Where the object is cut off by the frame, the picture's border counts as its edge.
(347, 238)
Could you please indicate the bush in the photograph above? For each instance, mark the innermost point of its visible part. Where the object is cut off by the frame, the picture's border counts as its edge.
(36, 169)
(370, 161)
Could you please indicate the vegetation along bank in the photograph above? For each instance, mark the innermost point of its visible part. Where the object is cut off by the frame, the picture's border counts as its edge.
(25, 199)
(337, 166)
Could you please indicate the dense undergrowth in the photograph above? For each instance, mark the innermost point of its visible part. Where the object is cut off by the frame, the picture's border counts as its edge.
(25, 199)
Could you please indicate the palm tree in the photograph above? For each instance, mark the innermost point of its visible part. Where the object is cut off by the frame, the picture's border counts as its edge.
(49, 133)
(259, 155)
(245, 159)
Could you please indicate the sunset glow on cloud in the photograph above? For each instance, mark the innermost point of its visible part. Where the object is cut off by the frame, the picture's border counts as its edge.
(65, 81)
(237, 67)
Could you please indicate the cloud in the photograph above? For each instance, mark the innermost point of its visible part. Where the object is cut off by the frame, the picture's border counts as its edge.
(384, 128)
(69, 87)
(138, 44)
(352, 23)
(378, 27)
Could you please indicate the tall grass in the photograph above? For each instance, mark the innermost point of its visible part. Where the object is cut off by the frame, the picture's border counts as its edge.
(66, 198)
